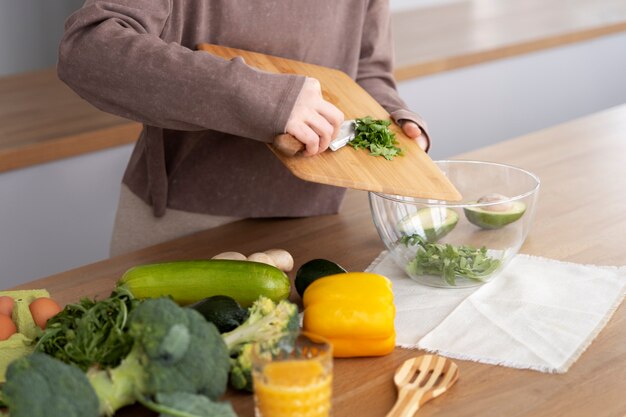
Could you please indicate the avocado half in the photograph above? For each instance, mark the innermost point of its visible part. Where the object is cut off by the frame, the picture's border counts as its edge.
(488, 219)
(313, 270)
(433, 223)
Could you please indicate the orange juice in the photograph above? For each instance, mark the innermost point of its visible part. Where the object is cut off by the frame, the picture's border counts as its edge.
(293, 388)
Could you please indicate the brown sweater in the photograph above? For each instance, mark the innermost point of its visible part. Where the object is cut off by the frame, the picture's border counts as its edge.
(205, 118)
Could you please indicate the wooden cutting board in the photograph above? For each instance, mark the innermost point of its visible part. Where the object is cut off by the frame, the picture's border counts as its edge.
(411, 175)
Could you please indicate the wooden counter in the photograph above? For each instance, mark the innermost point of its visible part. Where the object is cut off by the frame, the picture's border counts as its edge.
(42, 120)
(435, 39)
(580, 218)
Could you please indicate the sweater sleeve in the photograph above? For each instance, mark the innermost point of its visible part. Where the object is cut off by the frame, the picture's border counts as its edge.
(375, 72)
(112, 56)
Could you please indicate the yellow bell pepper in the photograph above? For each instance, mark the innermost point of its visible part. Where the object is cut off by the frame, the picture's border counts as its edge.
(354, 311)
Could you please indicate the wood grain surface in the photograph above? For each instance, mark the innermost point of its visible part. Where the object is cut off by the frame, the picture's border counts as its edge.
(412, 175)
(42, 120)
(430, 40)
(580, 218)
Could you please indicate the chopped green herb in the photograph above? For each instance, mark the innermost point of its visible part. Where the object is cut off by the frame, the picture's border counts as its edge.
(449, 261)
(376, 136)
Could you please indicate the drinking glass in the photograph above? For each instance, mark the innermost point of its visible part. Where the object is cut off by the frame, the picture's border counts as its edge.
(293, 380)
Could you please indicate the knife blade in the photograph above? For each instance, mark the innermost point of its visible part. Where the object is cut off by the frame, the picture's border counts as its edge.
(345, 135)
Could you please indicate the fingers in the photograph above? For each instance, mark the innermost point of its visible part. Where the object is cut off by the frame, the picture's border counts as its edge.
(324, 129)
(412, 130)
(313, 120)
(314, 131)
(423, 142)
(306, 135)
(333, 115)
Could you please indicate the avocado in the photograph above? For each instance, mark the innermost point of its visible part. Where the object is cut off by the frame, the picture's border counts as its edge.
(223, 311)
(433, 223)
(313, 270)
(491, 219)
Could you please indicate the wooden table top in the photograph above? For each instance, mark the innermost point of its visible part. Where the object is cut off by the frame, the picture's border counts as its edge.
(434, 39)
(580, 218)
(42, 120)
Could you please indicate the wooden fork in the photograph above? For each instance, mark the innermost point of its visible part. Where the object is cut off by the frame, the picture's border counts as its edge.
(421, 379)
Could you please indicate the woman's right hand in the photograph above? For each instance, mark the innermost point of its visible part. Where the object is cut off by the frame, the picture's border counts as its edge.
(313, 120)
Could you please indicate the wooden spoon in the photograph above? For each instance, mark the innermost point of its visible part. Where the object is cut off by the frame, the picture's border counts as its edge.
(421, 379)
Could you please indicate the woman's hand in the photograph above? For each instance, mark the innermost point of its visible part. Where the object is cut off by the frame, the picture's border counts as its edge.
(412, 130)
(313, 120)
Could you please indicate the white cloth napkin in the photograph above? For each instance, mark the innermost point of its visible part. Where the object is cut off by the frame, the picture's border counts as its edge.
(538, 314)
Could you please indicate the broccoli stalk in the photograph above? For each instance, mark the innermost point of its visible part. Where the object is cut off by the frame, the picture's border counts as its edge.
(271, 324)
(176, 355)
(119, 386)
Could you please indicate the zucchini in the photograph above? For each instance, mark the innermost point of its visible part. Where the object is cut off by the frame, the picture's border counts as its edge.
(223, 311)
(190, 281)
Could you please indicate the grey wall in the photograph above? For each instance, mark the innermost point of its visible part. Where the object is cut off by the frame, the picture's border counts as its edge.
(58, 215)
(483, 104)
(30, 31)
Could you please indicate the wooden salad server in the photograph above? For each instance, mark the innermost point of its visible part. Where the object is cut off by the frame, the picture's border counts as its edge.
(420, 380)
(411, 175)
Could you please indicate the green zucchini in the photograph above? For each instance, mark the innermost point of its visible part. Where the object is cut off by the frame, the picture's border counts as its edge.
(190, 281)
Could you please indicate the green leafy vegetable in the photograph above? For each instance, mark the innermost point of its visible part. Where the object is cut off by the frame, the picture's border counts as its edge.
(177, 358)
(90, 332)
(449, 261)
(375, 135)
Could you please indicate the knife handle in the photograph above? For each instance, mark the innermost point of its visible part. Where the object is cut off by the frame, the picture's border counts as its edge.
(287, 144)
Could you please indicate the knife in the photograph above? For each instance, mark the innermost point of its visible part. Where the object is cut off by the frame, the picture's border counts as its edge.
(290, 146)
(345, 135)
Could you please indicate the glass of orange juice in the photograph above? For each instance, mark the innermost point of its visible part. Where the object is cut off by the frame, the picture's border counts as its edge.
(293, 380)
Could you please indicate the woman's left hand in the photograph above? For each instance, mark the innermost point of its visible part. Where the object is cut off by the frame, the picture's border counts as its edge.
(412, 130)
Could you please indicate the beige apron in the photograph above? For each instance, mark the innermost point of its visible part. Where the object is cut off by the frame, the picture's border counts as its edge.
(136, 227)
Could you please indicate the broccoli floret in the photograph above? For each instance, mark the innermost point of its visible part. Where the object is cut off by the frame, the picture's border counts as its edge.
(175, 352)
(271, 324)
(41, 386)
(268, 322)
(241, 368)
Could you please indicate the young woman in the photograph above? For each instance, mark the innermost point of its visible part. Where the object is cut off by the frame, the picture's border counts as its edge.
(200, 160)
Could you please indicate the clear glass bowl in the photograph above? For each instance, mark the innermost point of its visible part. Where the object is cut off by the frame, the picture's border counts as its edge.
(459, 244)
